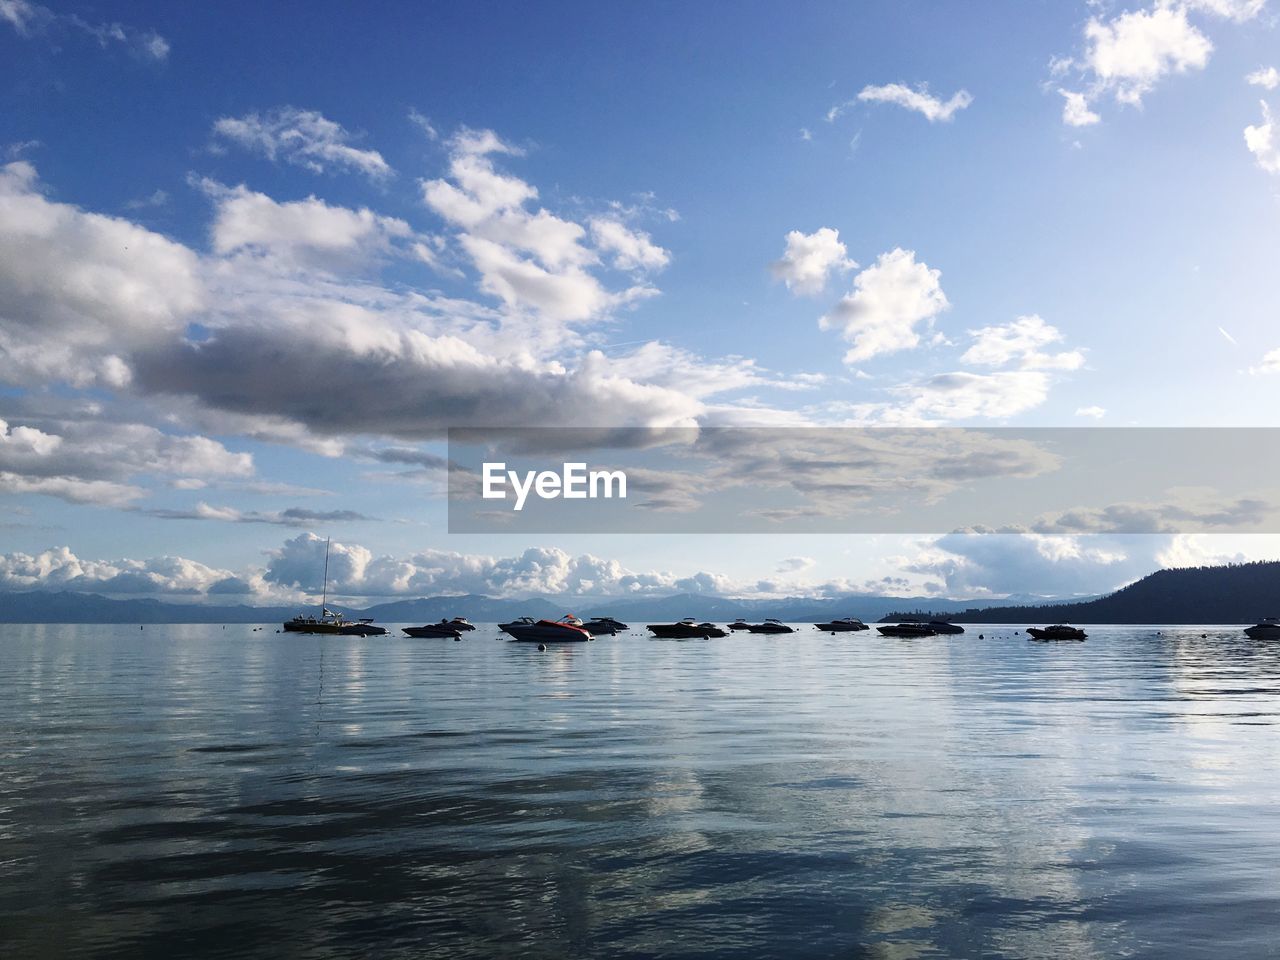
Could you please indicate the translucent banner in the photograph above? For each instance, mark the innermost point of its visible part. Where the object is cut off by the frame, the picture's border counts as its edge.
(864, 480)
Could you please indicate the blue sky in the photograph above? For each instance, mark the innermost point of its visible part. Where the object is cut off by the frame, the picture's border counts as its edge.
(259, 255)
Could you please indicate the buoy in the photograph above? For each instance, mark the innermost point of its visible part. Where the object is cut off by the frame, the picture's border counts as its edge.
(457, 639)
(542, 646)
(982, 636)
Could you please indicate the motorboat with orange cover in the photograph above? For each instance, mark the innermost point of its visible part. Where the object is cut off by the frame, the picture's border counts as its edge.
(568, 629)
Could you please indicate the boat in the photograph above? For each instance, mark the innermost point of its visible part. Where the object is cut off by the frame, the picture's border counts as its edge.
(528, 630)
(740, 624)
(361, 628)
(1267, 628)
(332, 622)
(1059, 631)
(843, 625)
(937, 626)
(686, 629)
(604, 626)
(770, 626)
(443, 629)
(907, 629)
(461, 624)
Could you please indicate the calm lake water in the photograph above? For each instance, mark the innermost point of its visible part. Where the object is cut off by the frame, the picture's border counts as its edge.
(200, 791)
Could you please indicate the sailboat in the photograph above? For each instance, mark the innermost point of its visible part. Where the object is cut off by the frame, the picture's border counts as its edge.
(331, 621)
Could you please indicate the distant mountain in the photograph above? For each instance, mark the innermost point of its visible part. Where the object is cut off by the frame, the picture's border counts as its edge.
(40, 606)
(1236, 593)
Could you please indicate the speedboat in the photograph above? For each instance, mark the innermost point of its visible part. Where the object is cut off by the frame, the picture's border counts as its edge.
(1059, 631)
(441, 630)
(942, 626)
(908, 629)
(1266, 629)
(740, 624)
(604, 626)
(843, 625)
(527, 630)
(686, 629)
(361, 628)
(461, 624)
(770, 626)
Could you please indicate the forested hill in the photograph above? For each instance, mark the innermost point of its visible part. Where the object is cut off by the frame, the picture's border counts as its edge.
(1236, 593)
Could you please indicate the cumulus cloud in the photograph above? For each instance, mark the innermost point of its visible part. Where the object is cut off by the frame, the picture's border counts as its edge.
(1263, 142)
(1266, 77)
(1075, 110)
(298, 233)
(1127, 55)
(1270, 363)
(59, 568)
(1020, 342)
(532, 259)
(91, 462)
(1096, 413)
(77, 289)
(810, 259)
(1131, 52)
(890, 300)
(304, 138)
(961, 395)
(918, 99)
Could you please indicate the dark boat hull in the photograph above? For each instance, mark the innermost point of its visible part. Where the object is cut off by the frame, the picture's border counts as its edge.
(433, 631)
(541, 633)
(841, 627)
(770, 628)
(1040, 634)
(1261, 632)
(684, 631)
(899, 631)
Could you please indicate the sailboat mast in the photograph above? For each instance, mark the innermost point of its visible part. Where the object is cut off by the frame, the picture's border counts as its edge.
(324, 596)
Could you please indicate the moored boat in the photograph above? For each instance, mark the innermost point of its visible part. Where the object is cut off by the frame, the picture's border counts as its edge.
(906, 630)
(461, 624)
(843, 625)
(1268, 628)
(568, 629)
(331, 622)
(1058, 631)
(445, 629)
(686, 629)
(604, 626)
(740, 624)
(770, 626)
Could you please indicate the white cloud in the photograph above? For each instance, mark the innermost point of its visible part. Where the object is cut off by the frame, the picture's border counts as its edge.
(533, 259)
(305, 138)
(966, 396)
(1021, 341)
(32, 19)
(890, 300)
(1263, 142)
(1075, 110)
(1270, 364)
(78, 288)
(919, 100)
(1266, 77)
(298, 232)
(1237, 10)
(810, 259)
(632, 249)
(1097, 413)
(1133, 51)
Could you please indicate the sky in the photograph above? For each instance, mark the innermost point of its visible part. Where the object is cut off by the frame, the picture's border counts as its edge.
(256, 258)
